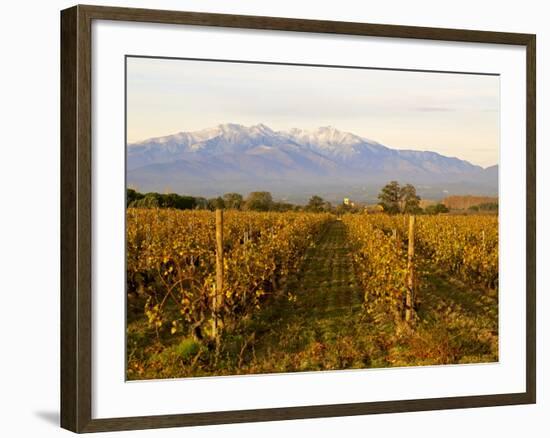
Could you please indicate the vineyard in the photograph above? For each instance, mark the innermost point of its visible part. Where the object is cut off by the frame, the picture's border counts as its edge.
(238, 292)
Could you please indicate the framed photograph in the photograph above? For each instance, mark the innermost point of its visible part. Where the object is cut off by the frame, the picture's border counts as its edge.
(272, 218)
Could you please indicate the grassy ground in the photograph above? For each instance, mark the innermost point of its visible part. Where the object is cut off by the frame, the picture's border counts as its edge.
(318, 323)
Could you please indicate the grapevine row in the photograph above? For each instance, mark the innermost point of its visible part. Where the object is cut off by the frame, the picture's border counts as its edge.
(465, 247)
(171, 258)
(381, 263)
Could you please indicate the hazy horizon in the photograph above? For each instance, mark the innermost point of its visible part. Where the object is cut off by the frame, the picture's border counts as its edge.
(453, 114)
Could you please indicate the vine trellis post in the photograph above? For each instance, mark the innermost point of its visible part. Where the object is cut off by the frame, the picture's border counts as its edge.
(410, 295)
(217, 301)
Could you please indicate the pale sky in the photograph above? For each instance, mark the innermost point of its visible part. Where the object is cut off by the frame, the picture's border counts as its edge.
(453, 114)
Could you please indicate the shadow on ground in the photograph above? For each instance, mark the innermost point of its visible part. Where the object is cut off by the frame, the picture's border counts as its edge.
(51, 417)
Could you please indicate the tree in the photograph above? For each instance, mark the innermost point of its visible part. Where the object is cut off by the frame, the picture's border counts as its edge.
(327, 206)
(259, 201)
(131, 196)
(436, 209)
(396, 199)
(201, 203)
(233, 200)
(149, 200)
(173, 200)
(390, 197)
(316, 204)
(486, 206)
(281, 206)
(216, 203)
(410, 201)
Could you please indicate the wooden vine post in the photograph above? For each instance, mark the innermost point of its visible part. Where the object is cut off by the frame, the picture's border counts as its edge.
(218, 294)
(396, 239)
(410, 298)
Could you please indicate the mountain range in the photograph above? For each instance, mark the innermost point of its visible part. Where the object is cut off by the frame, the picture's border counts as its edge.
(295, 164)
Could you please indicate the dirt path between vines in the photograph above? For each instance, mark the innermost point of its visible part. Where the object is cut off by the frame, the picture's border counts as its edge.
(316, 325)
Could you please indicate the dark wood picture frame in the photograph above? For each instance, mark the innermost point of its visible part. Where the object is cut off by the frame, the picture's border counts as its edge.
(76, 217)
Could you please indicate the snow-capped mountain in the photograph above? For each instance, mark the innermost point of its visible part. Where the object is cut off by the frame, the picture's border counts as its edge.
(291, 164)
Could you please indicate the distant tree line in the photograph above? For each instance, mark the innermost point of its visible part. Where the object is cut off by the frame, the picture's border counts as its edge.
(464, 202)
(255, 201)
(393, 199)
(486, 206)
(157, 200)
(436, 209)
